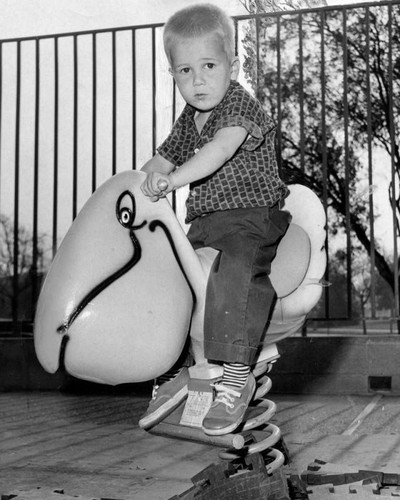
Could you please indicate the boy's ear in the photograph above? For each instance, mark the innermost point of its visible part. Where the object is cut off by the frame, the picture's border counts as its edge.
(235, 67)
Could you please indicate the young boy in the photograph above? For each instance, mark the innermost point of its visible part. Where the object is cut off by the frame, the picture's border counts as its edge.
(223, 146)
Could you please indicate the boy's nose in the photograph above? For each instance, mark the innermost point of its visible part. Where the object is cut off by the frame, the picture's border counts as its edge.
(198, 78)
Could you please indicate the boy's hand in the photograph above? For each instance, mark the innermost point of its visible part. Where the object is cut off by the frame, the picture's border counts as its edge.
(156, 185)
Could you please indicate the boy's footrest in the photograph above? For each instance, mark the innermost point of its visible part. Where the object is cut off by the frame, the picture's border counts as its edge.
(231, 441)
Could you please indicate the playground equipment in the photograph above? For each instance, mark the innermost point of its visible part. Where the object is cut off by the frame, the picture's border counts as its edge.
(126, 287)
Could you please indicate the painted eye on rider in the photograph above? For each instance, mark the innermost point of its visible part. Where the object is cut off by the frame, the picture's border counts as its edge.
(126, 209)
(125, 216)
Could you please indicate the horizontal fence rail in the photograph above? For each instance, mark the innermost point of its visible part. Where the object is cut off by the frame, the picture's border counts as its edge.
(77, 108)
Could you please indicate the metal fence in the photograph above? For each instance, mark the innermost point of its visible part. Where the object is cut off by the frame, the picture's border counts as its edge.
(76, 108)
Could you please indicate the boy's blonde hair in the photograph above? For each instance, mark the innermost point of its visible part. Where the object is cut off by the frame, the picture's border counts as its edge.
(199, 20)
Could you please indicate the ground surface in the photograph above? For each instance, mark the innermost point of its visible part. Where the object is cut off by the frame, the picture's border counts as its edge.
(89, 445)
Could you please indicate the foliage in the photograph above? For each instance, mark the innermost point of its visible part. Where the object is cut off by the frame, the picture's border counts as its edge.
(31, 264)
(331, 79)
(255, 6)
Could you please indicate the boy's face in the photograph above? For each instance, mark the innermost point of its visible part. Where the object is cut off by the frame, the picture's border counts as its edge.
(202, 71)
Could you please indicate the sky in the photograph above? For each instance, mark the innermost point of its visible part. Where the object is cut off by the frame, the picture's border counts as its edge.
(21, 18)
(38, 17)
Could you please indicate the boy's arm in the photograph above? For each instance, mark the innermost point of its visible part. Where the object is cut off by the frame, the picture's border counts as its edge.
(209, 158)
(158, 164)
(162, 178)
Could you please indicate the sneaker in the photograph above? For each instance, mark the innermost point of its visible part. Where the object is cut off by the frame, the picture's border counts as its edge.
(165, 398)
(228, 409)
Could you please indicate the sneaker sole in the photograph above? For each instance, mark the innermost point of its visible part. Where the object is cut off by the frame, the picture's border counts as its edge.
(164, 410)
(222, 432)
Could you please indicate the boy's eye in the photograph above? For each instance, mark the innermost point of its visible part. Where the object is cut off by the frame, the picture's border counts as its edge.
(184, 71)
(210, 65)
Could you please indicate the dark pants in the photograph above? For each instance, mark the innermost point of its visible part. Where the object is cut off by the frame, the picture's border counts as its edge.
(240, 296)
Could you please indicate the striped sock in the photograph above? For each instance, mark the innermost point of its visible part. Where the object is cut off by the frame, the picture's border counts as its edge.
(170, 375)
(235, 374)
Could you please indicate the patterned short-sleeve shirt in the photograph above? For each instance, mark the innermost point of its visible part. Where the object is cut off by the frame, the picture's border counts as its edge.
(250, 178)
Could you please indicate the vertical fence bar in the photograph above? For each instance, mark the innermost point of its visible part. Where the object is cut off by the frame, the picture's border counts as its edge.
(301, 92)
(114, 103)
(75, 131)
(324, 151)
(36, 175)
(134, 99)
(279, 93)
(1, 107)
(154, 87)
(173, 121)
(15, 281)
(258, 57)
(369, 150)
(393, 167)
(55, 146)
(301, 124)
(94, 112)
(236, 37)
(173, 118)
(346, 163)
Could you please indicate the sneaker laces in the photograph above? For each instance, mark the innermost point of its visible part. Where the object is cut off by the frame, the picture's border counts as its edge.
(225, 395)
